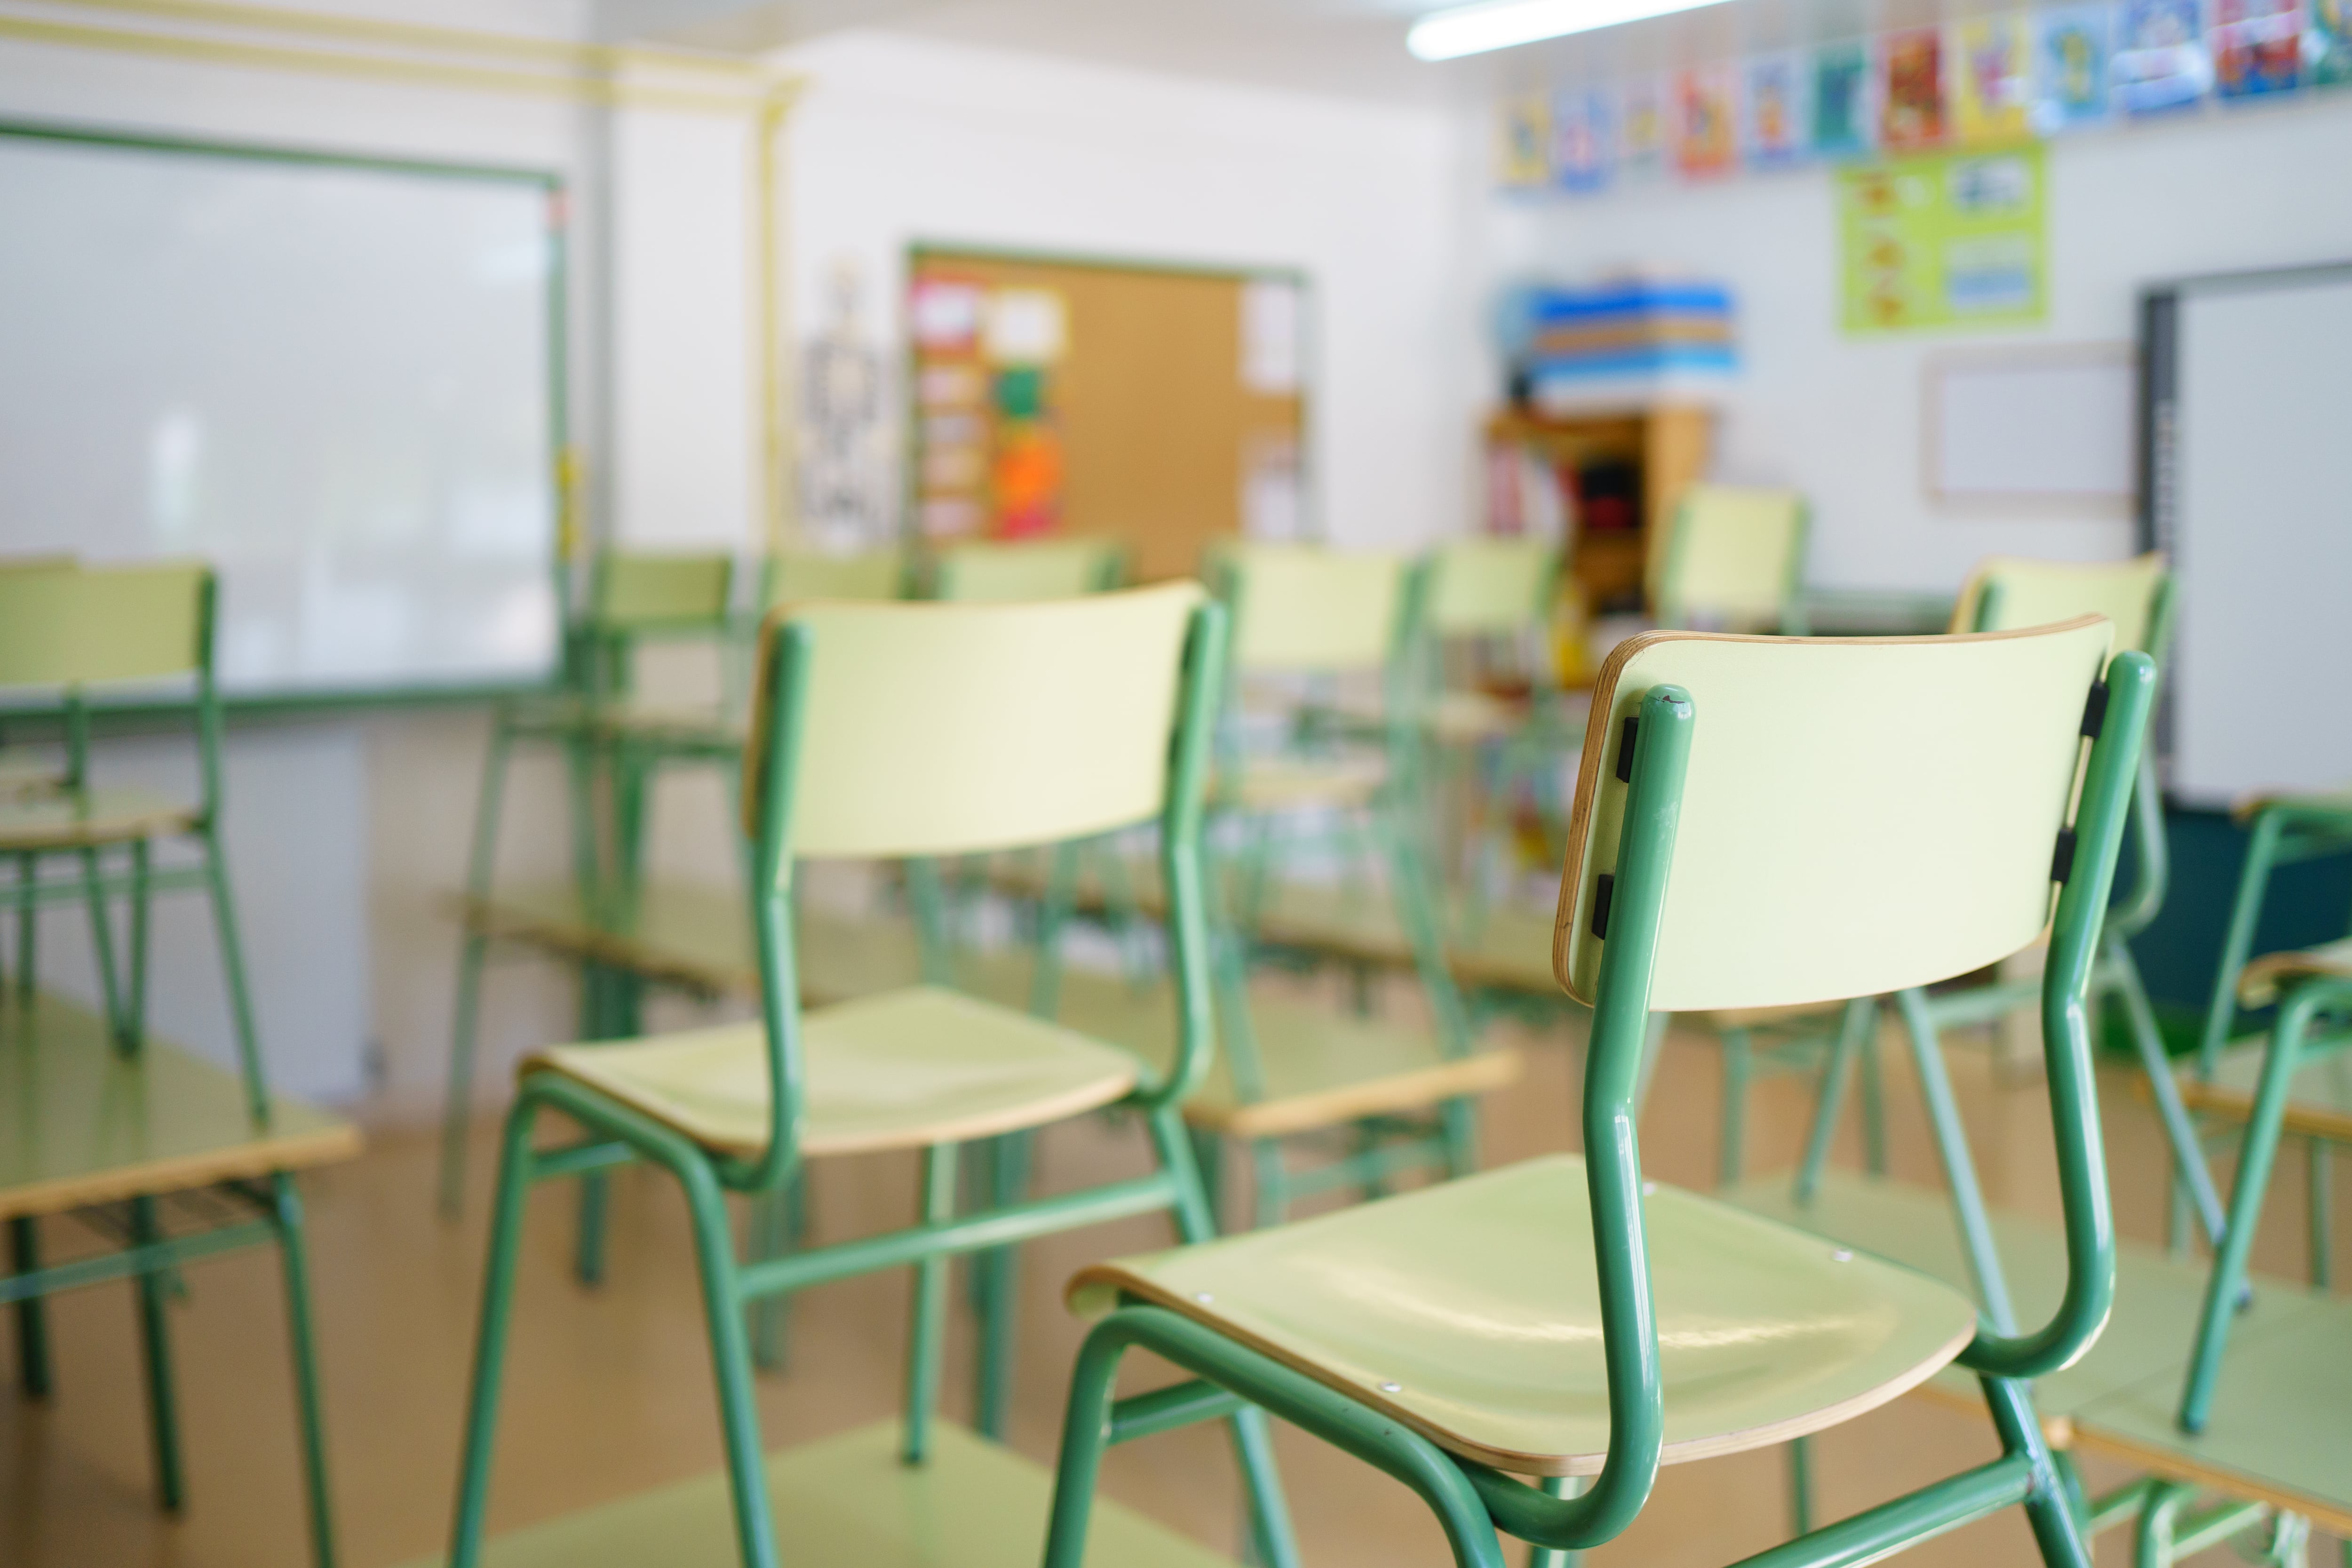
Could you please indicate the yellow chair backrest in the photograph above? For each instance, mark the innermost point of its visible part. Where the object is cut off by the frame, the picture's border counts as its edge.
(2007, 591)
(1304, 608)
(939, 729)
(632, 591)
(1490, 587)
(1859, 814)
(1007, 572)
(800, 577)
(1734, 559)
(62, 626)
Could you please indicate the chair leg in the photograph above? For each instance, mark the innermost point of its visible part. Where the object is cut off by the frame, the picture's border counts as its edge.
(1271, 1198)
(1270, 1534)
(1737, 1061)
(2255, 1153)
(1873, 1104)
(2319, 1176)
(101, 944)
(515, 1171)
(2049, 1508)
(2159, 1520)
(134, 1017)
(1829, 1098)
(927, 1329)
(1458, 1132)
(240, 998)
(2192, 1179)
(28, 925)
(458, 1107)
(1000, 1291)
(293, 1252)
(155, 1345)
(730, 1364)
(1209, 1160)
(33, 1370)
(588, 1245)
(775, 1233)
(1960, 1169)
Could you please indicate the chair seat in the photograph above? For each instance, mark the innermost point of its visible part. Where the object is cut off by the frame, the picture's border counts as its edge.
(903, 1069)
(1470, 1312)
(1283, 784)
(2157, 1297)
(2260, 983)
(75, 820)
(1319, 1068)
(2319, 1096)
(89, 1125)
(2280, 1427)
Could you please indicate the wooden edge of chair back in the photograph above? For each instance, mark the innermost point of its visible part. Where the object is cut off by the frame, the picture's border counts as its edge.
(1859, 814)
(1490, 587)
(1734, 556)
(2025, 591)
(1020, 571)
(65, 626)
(1303, 608)
(936, 728)
(637, 590)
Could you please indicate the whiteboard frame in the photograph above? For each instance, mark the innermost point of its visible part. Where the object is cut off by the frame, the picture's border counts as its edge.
(2158, 508)
(550, 184)
(2024, 356)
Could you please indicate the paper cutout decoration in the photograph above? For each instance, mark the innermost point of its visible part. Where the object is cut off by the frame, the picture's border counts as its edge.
(2257, 46)
(2160, 64)
(1911, 90)
(1642, 128)
(1024, 326)
(1841, 117)
(2328, 43)
(946, 314)
(1525, 148)
(1774, 126)
(1706, 106)
(1944, 242)
(1992, 75)
(2071, 48)
(1580, 141)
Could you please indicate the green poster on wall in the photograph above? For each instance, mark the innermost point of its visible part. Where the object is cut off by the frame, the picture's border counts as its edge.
(1949, 241)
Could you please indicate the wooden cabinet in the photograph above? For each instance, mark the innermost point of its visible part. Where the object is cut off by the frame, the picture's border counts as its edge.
(1624, 472)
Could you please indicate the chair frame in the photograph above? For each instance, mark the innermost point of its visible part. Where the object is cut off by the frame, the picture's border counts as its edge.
(617, 1133)
(1385, 1145)
(1476, 1504)
(598, 651)
(151, 1256)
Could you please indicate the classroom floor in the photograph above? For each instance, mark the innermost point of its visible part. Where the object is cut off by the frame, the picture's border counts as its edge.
(609, 1392)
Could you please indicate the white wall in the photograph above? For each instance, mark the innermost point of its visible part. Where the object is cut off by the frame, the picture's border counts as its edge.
(902, 140)
(1840, 418)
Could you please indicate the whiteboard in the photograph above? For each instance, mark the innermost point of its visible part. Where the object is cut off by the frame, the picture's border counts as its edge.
(2252, 382)
(2052, 426)
(333, 379)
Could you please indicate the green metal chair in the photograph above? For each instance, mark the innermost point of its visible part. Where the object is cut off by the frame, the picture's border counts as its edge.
(631, 598)
(1760, 822)
(2003, 593)
(1000, 571)
(105, 1122)
(1734, 560)
(1308, 623)
(906, 730)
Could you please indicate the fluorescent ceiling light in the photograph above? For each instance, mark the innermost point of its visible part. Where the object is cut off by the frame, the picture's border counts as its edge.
(1505, 24)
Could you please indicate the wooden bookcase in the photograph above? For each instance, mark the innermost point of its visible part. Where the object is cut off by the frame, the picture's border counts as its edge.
(1664, 447)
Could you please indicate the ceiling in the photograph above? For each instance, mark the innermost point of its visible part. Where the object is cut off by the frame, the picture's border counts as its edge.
(1352, 49)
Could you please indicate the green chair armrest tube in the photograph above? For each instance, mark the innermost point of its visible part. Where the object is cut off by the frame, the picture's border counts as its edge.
(772, 913)
(2107, 786)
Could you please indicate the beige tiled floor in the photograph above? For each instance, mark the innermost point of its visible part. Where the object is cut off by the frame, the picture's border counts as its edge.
(609, 1392)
